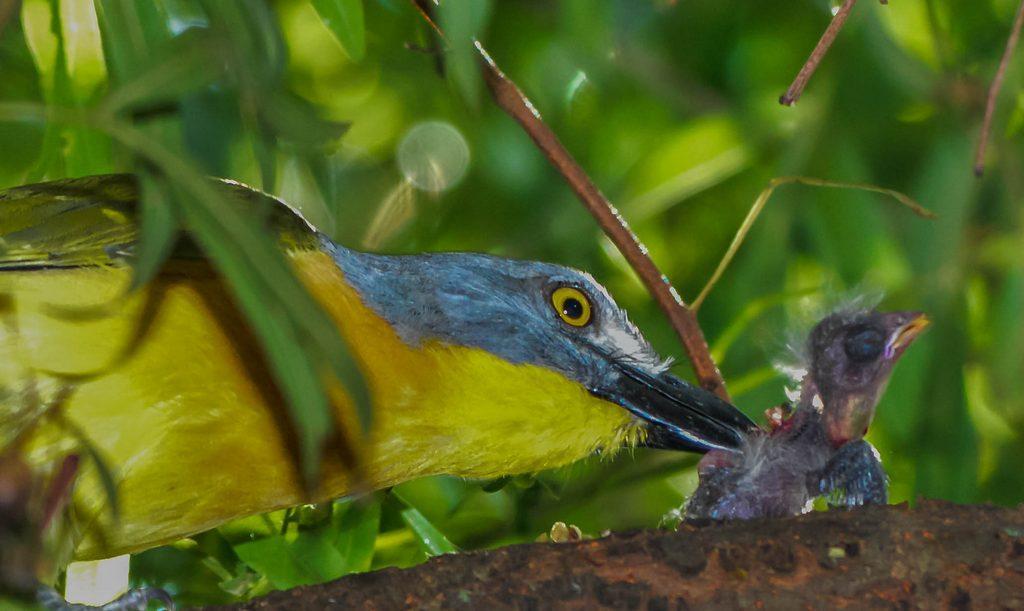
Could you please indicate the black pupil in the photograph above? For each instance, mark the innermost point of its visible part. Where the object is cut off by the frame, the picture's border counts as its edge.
(864, 345)
(572, 308)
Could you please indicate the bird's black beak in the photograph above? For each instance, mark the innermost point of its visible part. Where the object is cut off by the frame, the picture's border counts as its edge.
(681, 416)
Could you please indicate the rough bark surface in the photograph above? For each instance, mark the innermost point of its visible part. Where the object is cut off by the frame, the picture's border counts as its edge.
(937, 555)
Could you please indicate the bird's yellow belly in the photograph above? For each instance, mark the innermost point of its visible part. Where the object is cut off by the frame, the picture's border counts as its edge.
(172, 389)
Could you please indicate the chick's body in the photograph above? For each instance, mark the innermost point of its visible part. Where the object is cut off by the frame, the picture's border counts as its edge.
(776, 474)
(819, 451)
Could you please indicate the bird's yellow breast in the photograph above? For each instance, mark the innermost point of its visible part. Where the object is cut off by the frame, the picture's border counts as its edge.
(171, 387)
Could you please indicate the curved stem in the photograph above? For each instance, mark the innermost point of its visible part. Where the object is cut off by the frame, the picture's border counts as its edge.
(994, 88)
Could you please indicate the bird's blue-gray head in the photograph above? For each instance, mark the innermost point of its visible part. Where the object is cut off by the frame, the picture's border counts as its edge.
(547, 315)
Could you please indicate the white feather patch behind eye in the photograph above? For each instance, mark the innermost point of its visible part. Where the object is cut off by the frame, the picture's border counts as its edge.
(620, 336)
(629, 346)
(817, 402)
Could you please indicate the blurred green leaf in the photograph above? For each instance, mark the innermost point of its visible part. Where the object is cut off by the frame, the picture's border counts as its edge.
(946, 442)
(103, 469)
(184, 66)
(158, 231)
(750, 312)
(743, 384)
(256, 50)
(67, 149)
(82, 48)
(337, 547)
(696, 156)
(292, 326)
(131, 32)
(320, 560)
(298, 122)
(295, 370)
(20, 144)
(463, 22)
(357, 529)
(344, 18)
(272, 557)
(302, 344)
(432, 540)
(17, 604)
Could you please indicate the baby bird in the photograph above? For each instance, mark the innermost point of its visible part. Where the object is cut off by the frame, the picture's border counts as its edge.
(819, 450)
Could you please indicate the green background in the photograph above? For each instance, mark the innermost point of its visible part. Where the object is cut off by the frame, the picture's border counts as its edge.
(672, 108)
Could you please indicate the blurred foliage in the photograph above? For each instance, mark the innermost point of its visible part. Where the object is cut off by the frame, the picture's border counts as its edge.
(672, 107)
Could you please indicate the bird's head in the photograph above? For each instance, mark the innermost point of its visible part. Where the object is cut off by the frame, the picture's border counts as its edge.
(852, 354)
(548, 315)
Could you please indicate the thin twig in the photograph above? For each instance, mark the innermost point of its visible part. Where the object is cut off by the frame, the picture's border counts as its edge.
(684, 321)
(993, 90)
(807, 71)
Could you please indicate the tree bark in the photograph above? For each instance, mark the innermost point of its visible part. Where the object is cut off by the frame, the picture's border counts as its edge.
(937, 555)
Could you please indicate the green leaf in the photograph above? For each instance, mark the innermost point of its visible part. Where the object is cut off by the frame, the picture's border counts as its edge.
(297, 122)
(301, 341)
(103, 470)
(357, 529)
(82, 48)
(750, 312)
(20, 144)
(463, 22)
(136, 43)
(432, 540)
(256, 52)
(272, 557)
(67, 149)
(344, 18)
(130, 31)
(296, 373)
(186, 65)
(315, 553)
(158, 231)
(335, 548)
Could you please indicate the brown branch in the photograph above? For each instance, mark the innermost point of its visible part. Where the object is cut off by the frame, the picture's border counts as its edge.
(994, 88)
(684, 321)
(824, 43)
(8, 8)
(935, 556)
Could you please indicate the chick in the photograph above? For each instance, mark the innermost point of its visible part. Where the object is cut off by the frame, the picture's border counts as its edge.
(818, 450)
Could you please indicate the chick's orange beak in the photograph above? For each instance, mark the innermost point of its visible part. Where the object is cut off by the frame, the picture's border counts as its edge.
(905, 334)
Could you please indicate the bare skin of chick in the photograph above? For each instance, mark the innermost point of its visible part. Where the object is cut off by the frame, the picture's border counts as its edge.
(818, 451)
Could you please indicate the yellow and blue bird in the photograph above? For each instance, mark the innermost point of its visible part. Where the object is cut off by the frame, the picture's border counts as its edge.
(478, 366)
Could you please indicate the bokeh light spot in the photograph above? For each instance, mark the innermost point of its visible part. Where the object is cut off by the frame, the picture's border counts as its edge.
(433, 156)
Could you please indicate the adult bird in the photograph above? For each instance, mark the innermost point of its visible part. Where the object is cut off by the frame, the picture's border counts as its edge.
(478, 366)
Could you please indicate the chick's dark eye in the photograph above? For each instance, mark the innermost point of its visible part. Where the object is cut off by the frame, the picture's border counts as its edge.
(864, 345)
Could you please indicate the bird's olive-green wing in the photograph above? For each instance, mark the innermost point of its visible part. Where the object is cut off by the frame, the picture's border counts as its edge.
(94, 221)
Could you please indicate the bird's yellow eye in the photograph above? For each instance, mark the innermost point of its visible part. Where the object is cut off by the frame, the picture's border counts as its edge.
(572, 305)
